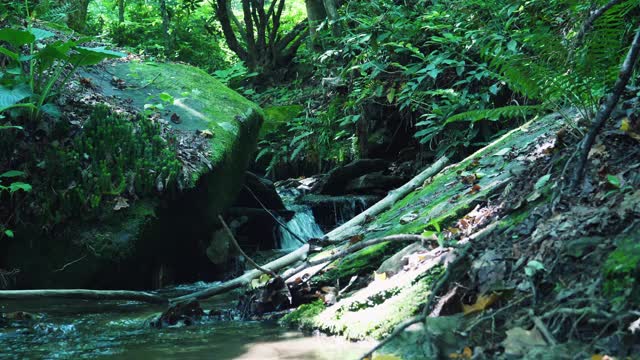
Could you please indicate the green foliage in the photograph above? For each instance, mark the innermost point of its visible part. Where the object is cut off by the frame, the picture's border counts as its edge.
(314, 138)
(11, 188)
(113, 156)
(303, 315)
(194, 38)
(621, 272)
(46, 63)
(540, 60)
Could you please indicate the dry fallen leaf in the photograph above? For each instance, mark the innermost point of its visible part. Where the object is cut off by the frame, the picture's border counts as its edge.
(474, 189)
(466, 353)
(379, 276)
(519, 341)
(356, 238)
(483, 302)
(386, 357)
(635, 326)
(121, 203)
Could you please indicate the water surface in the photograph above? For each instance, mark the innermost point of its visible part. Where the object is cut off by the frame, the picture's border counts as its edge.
(78, 329)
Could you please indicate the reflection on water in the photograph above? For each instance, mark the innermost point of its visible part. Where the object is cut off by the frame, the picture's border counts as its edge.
(73, 329)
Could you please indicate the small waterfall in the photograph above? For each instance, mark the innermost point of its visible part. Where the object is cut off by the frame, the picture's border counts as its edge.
(303, 224)
(346, 208)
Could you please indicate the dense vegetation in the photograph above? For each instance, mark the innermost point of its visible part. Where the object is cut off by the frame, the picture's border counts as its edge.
(409, 82)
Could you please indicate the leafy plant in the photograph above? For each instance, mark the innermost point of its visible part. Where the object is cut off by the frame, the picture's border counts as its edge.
(48, 66)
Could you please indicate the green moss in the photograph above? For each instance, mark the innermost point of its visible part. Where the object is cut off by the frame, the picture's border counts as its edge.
(303, 316)
(276, 116)
(376, 315)
(364, 261)
(201, 101)
(113, 155)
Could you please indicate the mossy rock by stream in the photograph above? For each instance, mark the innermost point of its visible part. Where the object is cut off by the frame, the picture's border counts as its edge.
(159, 235)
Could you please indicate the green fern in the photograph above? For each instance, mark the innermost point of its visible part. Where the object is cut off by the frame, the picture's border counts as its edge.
(54, 12)
(495, 114)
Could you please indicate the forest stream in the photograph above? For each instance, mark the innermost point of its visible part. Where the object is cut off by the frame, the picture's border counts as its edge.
(78, 329)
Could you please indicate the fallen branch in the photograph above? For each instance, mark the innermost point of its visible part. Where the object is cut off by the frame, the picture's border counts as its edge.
(543, 329)
(237, 246)
(352, 226)
(84, 294)
(291, 258)
(605, 111)
(351, 249)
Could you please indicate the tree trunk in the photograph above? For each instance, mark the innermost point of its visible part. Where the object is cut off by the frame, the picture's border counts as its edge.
(331, 7)
(121, 6)
(77, 19)
(164, 14)
(316, 14)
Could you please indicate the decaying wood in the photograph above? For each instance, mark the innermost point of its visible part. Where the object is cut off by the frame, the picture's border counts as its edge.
(351, 249)
(84, 294)
(353, 226)
(245, 279)
(466, 245)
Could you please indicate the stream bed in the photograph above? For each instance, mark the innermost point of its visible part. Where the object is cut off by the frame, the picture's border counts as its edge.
(78, 329)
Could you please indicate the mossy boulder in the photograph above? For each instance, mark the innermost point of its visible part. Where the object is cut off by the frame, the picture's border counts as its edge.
(163, 236)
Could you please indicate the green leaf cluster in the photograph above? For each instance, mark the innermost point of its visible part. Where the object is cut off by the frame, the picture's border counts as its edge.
(50, 64)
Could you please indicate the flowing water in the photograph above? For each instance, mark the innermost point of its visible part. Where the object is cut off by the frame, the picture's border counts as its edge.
(303, 224)
(67, 329)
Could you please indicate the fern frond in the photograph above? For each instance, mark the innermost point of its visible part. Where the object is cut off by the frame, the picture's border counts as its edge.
(495, 114)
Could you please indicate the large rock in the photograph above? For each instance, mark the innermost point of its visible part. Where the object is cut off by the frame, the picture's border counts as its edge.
(158, 239)
(337, 179)
(375, 183)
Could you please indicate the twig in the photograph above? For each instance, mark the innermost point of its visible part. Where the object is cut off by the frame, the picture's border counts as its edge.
(543, 329)
(70, 263)
(147, 84)
(237, 246)
(495, 313)
(605, 111)
(84, 294)
(301, 240)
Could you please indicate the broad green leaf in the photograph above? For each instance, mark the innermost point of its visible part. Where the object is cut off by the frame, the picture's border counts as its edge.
(6, 127)
(542, 182)
(533, 267)
(9, 53)
(92, 56)
(17, 37)
(614, 181)
(10, 97)
(41, 34)
(51, 110)
(12, 173)
(166, 97)
(13, 187)
(9, 233)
